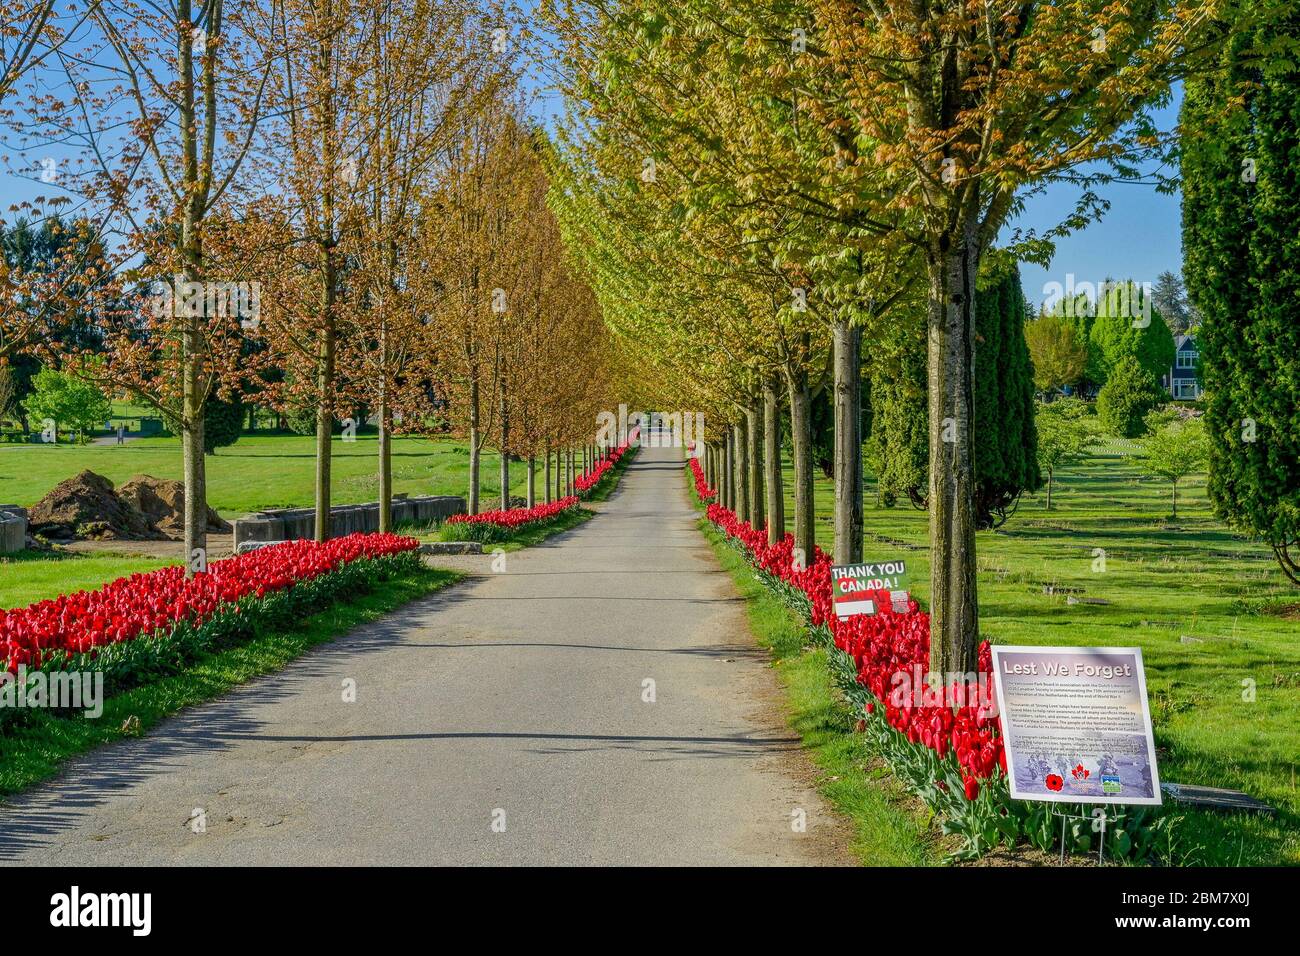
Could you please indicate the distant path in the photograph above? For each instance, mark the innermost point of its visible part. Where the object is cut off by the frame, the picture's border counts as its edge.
(112, 439)
(519, 691)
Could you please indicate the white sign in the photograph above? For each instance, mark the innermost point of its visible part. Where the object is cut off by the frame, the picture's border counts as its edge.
(1076, 724)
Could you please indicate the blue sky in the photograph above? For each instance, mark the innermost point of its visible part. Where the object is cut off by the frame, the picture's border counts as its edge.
(1138, 238)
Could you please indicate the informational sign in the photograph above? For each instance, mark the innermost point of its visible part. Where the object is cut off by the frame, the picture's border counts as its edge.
(1076, 724)
(851, 585)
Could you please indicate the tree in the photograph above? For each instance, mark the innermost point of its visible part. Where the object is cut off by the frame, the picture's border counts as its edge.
(182, 78)
(1126, 324)
(9, 397)
(1173, 451)
(1128, 395)
(1003, 415)
(959, 107)
(223, 423)
(1065, 434)
(322, 53)
(1241, 202)
(896, 442)
(1170, 299)
(734, 164)
(68, 401)
(1005, 439)
(1059, 355)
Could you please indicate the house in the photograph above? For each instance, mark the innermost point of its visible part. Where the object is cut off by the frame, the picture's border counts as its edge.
(1182, 381)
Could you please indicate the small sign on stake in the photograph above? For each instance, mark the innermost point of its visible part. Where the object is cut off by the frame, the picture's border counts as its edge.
(1076, 724)
(850, 584)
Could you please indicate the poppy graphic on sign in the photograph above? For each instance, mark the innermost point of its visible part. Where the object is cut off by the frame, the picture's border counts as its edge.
(852, 586)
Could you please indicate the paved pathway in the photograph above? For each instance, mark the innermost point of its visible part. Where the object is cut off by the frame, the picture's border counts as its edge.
(514, 695)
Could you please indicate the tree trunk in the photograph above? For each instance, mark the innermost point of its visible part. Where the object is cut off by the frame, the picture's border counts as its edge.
(754, 458)
(1049, 490)
(805, 537)
(532, 480)
(772, 462)
(546, 475)
(742, 470)
(196, 494)
(503, 411)
(324, 421)
(472, 498)
(954, 611)
(729, 470)
(1174, 496)
(385, 463)
(848, 442)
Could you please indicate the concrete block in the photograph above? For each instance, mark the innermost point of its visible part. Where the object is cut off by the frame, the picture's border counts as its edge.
(452, 547)
(13, 533)
(289, 524)
(247, 546)
(258, 528)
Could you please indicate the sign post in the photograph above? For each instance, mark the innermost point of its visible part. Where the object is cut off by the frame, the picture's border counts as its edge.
(1077, 727)
(850, 584)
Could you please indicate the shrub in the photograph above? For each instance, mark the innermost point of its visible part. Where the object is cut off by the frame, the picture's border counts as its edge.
(1126, 398)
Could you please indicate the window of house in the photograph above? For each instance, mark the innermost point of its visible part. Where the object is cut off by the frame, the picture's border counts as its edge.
(1187, 359)
(1185, 389)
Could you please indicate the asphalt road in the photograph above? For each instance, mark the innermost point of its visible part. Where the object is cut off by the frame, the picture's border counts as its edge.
(503, 721)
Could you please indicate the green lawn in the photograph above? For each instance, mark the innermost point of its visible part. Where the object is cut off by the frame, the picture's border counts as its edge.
(33, 576)
(1213, 615)
(259, 471)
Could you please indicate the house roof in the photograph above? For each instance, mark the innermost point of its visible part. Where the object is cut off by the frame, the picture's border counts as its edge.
(1184, 343)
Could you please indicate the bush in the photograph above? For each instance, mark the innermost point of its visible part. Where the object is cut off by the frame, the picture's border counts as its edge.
(1123, 402)
(223, 423)
(70, 402)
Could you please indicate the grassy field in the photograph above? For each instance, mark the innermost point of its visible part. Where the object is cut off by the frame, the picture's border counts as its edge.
(28, 576)
(1215, 619)
(259, 471)
(31, 576)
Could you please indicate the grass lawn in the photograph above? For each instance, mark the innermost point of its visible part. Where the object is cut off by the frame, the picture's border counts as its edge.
(1216, 621)
(259, 471)
(33, 751)
(31, 576)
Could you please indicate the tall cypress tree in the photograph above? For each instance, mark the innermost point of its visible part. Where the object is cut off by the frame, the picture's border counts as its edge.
(1005, 443)
(1005, 440)
(1241, 200)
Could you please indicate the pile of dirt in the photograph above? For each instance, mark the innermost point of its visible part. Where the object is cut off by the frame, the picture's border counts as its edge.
(86, 506)
(162, 500)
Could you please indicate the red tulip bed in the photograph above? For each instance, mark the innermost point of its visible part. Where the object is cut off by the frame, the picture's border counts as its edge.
(152, 624)
(950, 755)
(492, 527)
(587, 483)
(703, 490)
